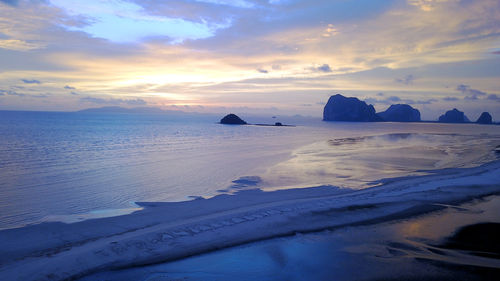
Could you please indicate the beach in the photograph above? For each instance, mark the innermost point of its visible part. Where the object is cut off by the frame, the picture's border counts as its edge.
(170, 231)
(421, 247)
(86, 195)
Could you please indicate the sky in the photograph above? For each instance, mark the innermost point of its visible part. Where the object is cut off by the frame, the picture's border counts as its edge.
(250, 56)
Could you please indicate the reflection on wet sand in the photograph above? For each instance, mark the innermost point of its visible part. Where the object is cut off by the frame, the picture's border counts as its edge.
(361, 162)
(445, 245)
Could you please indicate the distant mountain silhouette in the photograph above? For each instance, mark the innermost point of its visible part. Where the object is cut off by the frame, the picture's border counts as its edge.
(135, 110)
(400, 113)
(340, 108)
(453, 116)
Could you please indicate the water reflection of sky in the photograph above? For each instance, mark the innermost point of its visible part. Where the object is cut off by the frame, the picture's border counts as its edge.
(359, 162)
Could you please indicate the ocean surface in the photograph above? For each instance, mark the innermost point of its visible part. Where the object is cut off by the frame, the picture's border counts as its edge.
(75, 166)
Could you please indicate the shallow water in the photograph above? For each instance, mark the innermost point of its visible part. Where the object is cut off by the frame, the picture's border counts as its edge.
(71, 166)
(361, 162)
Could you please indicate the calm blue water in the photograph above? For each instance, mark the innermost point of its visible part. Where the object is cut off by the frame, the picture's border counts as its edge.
(72, 166)
(58, 164)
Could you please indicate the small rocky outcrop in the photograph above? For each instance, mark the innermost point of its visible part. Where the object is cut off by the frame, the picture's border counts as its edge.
(232, 119)
(340, 108)
(485, 118)
(400, 113)
(453, 116)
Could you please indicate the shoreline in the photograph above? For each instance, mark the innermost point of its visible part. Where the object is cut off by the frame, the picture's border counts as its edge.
(170, 231)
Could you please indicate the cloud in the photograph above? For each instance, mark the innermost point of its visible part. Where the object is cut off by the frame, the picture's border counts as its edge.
(388, 100)
(74, 93)
(261, 70)
(494, 97)
(10, 2)
(477, 93)
(127, 22)
(322, 68)
(471, 94)
(12, 93)
(113, 101)
(426, 5)
(19, 45)
(33, 81)
(462, 88)
(233, 3)
(446, 46)
(69, 87)
(136, 102)
(22, 95)
(39, 96)
(345, 69)
(427, 101)
(450, 99)
(395, 99)
(330, 31)
(406, 80)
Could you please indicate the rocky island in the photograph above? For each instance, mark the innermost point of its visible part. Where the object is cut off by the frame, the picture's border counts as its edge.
(232, 119)
(351, 109)
(485, 118)
(340, 108)
(400, 113)
(454, 116)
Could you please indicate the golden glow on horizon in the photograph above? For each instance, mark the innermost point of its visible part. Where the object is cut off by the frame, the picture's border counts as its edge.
(323, 57)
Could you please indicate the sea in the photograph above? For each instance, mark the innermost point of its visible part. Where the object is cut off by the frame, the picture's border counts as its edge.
(73, 166)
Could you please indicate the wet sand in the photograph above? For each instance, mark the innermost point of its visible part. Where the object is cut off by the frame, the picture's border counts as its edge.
(458, 242)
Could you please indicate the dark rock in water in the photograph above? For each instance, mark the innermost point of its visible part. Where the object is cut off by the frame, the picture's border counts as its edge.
(400, 113)
(232, 119)
(481, 239)
(485, 118)
(278, 124)
(453, 116)
(340, 108)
